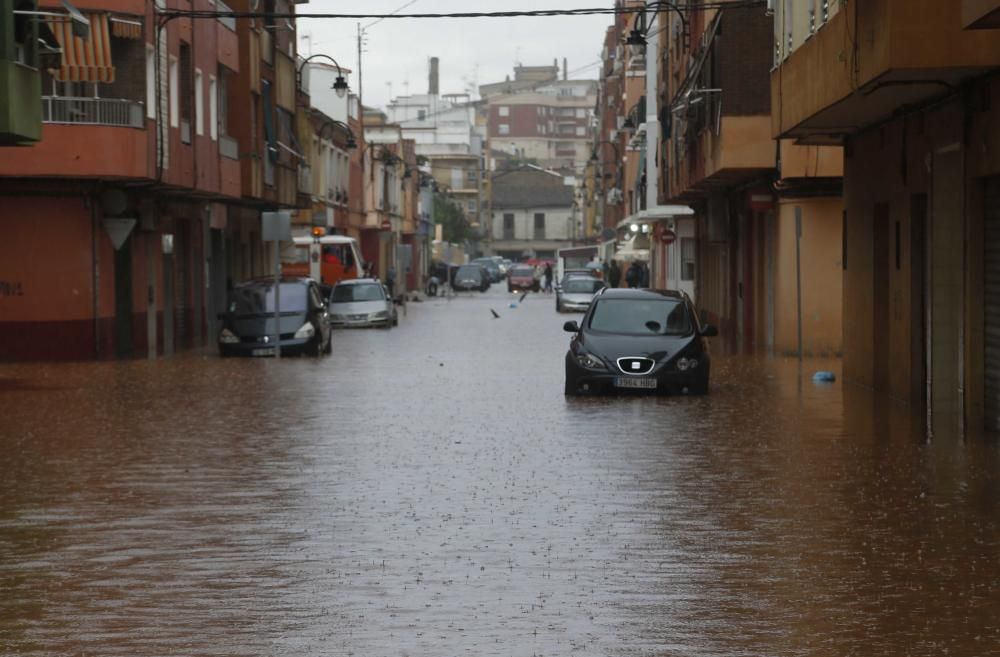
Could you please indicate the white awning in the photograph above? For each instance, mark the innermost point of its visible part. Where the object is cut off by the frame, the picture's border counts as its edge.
(658, 213)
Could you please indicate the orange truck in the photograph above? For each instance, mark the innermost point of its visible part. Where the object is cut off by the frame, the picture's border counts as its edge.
(327, 259)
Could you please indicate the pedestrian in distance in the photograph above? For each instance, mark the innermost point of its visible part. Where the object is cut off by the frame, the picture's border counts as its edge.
(634, 275)
(644, 275)
(548, 277)
(614, 274)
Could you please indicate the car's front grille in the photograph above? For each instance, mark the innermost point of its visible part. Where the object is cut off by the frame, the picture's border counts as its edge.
(636, 365)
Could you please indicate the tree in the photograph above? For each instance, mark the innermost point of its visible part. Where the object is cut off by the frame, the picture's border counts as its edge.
(452, 218)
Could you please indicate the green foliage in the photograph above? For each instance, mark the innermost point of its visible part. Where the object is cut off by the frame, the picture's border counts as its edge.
(452, 217)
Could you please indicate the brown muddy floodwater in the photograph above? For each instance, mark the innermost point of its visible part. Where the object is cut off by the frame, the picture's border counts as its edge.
(428, 491)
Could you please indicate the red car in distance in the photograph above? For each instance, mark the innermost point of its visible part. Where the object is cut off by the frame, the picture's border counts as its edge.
(521, 277)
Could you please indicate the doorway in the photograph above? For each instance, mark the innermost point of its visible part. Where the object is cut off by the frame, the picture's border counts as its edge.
(123, 300)
(880, 298)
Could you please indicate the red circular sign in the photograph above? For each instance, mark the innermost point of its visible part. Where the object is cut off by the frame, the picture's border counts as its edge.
(386, 225)
(668, 236)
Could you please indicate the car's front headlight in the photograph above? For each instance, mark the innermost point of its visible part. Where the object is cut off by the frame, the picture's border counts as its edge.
(685, 364)
(228, 337)
(588, 361)
(306, 331)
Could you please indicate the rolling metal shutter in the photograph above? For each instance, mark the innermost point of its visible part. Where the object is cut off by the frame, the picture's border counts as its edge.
(991, 311)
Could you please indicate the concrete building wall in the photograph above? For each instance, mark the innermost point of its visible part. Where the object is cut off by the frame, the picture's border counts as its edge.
(821, 277)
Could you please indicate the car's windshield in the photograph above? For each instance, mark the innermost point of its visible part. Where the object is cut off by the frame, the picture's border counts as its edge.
(582, 285)
(641, 317)
(259, 298)
(357, 292)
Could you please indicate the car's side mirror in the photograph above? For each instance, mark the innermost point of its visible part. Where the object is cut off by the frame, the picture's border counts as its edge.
(571, 327)
(709, 331)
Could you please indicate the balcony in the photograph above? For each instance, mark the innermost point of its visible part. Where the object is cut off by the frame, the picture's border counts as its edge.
(981, 14)
(92, 111)
(822, 92)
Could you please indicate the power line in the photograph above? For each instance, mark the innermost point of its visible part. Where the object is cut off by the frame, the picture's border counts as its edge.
(591, 11)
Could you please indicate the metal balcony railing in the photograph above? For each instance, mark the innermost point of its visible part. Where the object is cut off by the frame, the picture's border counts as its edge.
(92, 111)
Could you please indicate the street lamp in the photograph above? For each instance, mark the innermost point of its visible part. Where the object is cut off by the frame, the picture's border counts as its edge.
(339, 85)
(351, 143)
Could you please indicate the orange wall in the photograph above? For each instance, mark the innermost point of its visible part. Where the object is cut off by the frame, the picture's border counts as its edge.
(80, 151)
(48, 257)
(811, 161)
(822, 278)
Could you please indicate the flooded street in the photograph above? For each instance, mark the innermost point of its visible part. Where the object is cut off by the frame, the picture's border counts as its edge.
(429, 491)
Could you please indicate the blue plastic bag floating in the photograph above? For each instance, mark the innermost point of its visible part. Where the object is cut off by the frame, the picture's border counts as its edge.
(512, 305)
(824, 377)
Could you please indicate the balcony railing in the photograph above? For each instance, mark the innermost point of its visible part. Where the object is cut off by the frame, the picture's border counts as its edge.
(92, 111)
(229, 147)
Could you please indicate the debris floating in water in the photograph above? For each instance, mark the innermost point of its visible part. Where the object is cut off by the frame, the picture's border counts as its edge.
(512, 305)
(824, 377)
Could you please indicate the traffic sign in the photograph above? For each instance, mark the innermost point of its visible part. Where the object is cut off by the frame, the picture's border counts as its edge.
(668, 236)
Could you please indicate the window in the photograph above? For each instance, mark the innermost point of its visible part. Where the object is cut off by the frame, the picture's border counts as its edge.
(504, 129)
(471, 179)
(687, 258)
(471, 206)
(539, 225)
(581, 113)
(456, 178)
(199, 103)
(174, 98)
(504, 110)
(150, 82)
(421, 115)
(581, 131)
(641, 317)
(223, 100)
(508, 226)
(185, 93)
(213, 108)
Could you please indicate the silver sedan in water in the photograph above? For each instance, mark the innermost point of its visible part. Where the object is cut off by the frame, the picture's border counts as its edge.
(575, 293)
(361, 302)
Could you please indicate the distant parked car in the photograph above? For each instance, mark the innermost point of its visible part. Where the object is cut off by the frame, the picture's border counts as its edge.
(248, 326)
(361, 302)
(576, 292)
(522, 277)
(491, 267)
(471, 277)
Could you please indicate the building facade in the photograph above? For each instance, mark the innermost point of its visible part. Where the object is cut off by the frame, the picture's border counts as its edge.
(916, 111)
(141, 202)
(533, 213)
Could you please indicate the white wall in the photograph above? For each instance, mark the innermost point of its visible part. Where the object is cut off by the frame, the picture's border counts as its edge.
(557, 223)
(319, 80)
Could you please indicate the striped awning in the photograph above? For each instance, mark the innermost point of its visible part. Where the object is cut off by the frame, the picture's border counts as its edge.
(84, 60)
(126, 27)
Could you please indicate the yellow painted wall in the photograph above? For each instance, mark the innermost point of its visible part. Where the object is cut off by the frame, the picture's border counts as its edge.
(811, 161)
(822, 278)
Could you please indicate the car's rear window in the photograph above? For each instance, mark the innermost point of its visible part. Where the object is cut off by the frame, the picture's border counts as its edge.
(641, 317)
(582, 285)
(522, 271)
(466, 270)
(357, 292)
(259, 298)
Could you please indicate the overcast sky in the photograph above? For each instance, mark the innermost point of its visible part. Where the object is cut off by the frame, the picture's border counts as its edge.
(472, 51)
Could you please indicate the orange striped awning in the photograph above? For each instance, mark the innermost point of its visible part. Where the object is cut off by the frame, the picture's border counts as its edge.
(126, 28)
(84, 60)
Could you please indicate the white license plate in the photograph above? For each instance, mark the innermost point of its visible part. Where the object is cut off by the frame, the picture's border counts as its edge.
(643, 382)
(263, 352)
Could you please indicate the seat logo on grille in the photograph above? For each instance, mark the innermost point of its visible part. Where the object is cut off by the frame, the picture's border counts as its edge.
(635, 365)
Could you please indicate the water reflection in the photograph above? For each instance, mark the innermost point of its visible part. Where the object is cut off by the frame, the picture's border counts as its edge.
(429, 491)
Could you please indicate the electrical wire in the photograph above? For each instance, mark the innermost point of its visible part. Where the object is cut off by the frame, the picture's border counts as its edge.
(589, 11)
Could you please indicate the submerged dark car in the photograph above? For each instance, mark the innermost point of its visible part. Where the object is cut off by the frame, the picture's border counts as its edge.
(638, 340)
(248, 325)
(471, 277)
